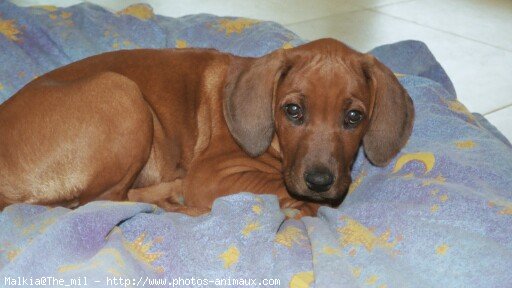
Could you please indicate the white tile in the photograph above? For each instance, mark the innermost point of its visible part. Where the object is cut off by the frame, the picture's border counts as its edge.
(379, 3)
(283, 12)
(489, 21)
(502, 119)
(481, 74)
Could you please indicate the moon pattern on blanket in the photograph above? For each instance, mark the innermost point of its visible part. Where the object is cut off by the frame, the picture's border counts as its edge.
(236, 26)
(9, 29)
(428, 159)
(289, 236)
(143, 12)
(302, 280)
(468, 144)
(355, 233)
(230, 256)
(140, 248)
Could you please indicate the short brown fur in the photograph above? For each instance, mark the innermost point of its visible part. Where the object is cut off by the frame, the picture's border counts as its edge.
(179, 128)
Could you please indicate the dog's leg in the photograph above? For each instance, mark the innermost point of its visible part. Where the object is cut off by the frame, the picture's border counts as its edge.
(72, 142)
(2, 204)
(167, 195)
(202, 191)
(170, 191)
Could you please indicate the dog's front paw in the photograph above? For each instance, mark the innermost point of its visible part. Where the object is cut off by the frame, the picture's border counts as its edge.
(294, 209)
(290, 213)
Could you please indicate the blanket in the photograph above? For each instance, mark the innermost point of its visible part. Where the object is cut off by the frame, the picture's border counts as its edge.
(440, 215)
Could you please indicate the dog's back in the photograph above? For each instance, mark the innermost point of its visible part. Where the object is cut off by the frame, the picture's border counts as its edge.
(135, 109)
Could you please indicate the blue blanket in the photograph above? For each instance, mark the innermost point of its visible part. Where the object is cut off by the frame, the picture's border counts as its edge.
(440, 215)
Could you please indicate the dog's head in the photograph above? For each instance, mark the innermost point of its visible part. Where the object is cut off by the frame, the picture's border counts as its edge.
(321, 100)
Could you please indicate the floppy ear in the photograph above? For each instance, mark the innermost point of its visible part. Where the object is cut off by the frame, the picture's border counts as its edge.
(392, 115)
(248, 98)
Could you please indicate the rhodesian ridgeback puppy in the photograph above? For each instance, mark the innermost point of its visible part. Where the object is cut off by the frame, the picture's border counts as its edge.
(179, 128)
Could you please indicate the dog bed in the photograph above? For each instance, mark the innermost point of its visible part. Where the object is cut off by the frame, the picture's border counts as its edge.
(440, 215)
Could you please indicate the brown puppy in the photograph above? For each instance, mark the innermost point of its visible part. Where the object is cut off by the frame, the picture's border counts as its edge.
(180, 128)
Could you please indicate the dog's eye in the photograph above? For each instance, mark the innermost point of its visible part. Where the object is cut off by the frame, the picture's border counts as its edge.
(352, 118)
(293, 112)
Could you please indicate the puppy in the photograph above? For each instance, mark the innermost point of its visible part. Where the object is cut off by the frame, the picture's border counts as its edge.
(179, 128)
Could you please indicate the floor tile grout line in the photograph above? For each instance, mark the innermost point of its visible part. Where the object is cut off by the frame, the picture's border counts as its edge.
(497, 109)
(360, 9)
(371, 9)
(388, 4)
(356, 9)
(367, 7)
(439, 30)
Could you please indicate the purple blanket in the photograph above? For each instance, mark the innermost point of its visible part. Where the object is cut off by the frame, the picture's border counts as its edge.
(440, 215)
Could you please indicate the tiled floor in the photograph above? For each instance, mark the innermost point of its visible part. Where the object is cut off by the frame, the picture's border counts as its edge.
(472, 39)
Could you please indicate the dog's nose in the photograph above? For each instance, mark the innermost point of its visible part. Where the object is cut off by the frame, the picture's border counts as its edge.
(319, 180)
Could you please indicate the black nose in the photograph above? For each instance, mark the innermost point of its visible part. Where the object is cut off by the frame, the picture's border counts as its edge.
(319, 180)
